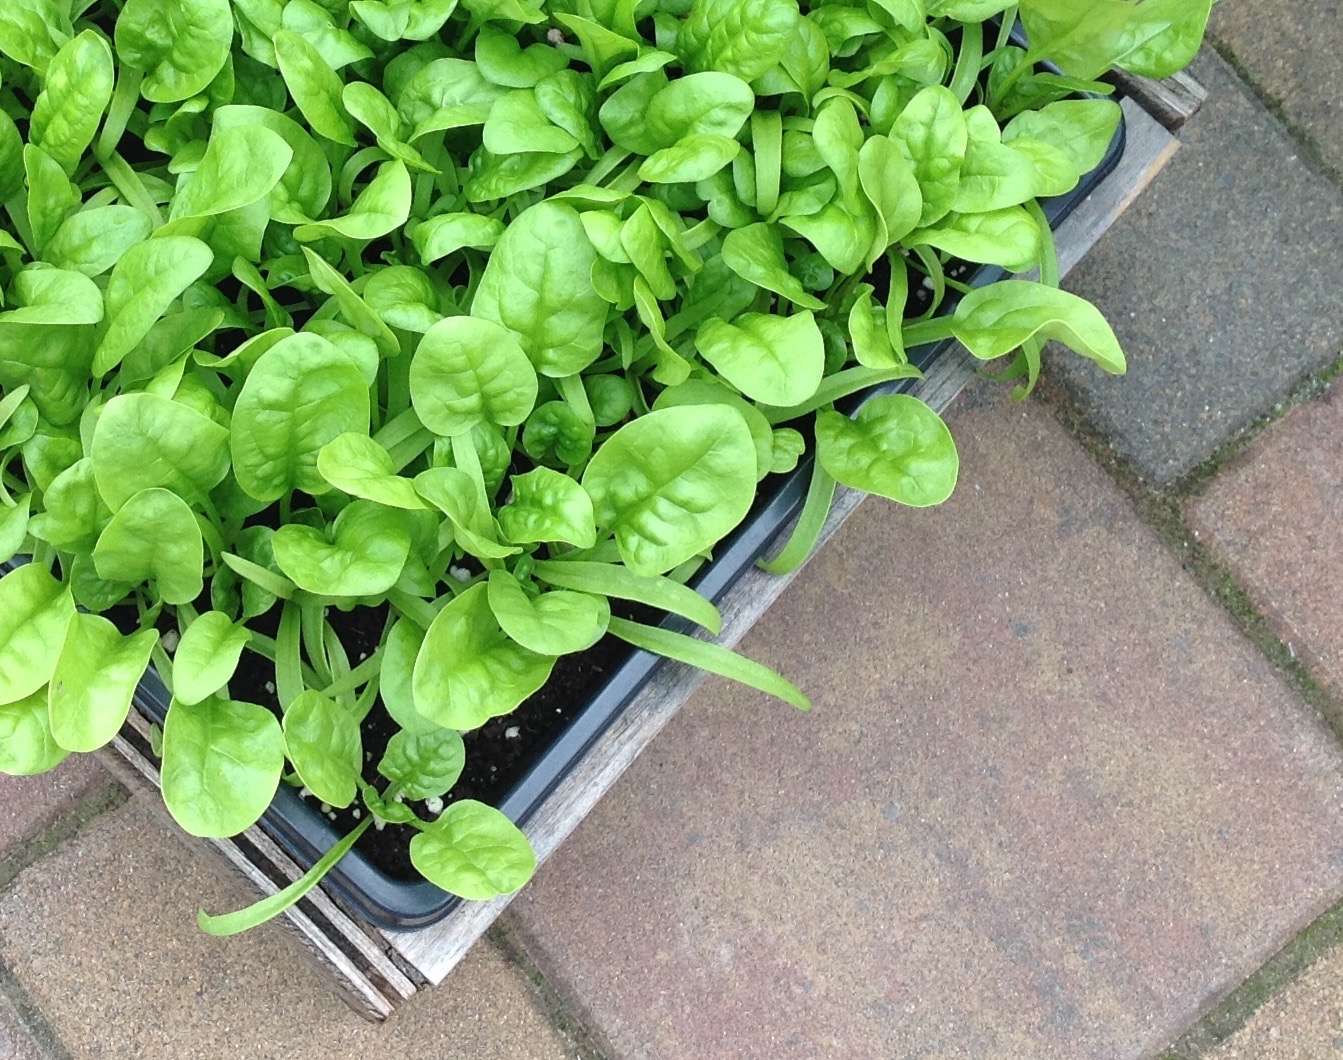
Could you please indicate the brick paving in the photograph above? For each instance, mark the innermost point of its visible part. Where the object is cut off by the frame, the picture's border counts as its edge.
(1275, 516)
(1052, 802)
(102, 937)
(1222, 281)
(30, 804)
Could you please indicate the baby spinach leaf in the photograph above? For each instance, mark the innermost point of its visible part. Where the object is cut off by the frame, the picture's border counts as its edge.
(153, 537)
(887, 177)
(548, 506)
(455, 493)
(469, 370)
(305, 186)
(302, 393)
(474, 852)
(93, 240)
(517, 124)
(552, 623)
(26, 744)
(382, 207)
(75, 92)
(671, 483)
(96, 676)
(1163, 36)
(207, 656)
(1083, 39)
(696, 156)
(322, 741)
(222, 761)
(424, 765)
(361, 555)
(35, 610)
(394, 678)
(996, 319)
(755, 253)
(468, 670)
(315, 87)
(441, 235)
(503, 61)
(710, 103)
(361, 467)
(14, 525)
(777, 360)
(1080, 128)
(180, 45)
(1008, 237)
(931, 133)
(31, 31)
(241, 165)
(896, 447)
(740, 38)
(143, 284)
(538, 284)
(46, 295)
(141, 440)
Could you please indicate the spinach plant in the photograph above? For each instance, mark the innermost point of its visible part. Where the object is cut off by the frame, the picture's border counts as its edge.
(477, 316)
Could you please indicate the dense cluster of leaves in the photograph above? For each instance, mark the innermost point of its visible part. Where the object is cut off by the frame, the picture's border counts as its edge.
(483, 313)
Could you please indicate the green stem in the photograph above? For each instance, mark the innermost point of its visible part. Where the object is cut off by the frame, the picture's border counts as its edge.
(421, 612)
(124, 99)
(1049, 253)
(838, 386)
(967, 63)
(802, 541)
(128, 184)
(275, 904)
(923, 332)
(358, 675)
(289, 656)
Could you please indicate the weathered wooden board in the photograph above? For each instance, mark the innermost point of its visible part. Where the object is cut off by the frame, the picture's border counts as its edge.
(436, 949)
(377, 969)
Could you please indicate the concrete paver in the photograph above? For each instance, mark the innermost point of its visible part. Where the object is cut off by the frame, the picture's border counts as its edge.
(1050, 802)
(15, 1042)
(1303, 1022)
(1291, 52)
(1275, 514)
(102, 936)
(1222, 283)
(29, 804)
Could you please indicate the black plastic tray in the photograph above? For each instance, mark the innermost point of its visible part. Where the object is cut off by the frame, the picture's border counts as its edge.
(305, 834)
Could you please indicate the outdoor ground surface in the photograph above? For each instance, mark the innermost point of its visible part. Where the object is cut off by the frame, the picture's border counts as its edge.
(1073, 786)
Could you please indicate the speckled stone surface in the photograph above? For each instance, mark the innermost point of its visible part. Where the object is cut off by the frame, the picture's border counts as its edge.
(102, 936)
(1050, 802)
(1303, 1022)
(1275, 514)
(29, 804)
(15, 1042)
(1222, 282)
(1291, 52)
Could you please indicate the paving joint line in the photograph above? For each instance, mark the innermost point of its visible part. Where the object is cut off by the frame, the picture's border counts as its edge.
(1310, 147)
(1162, 510)
(108, 795)
(28, 1014)
(1316, 940)
(568, 1017)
